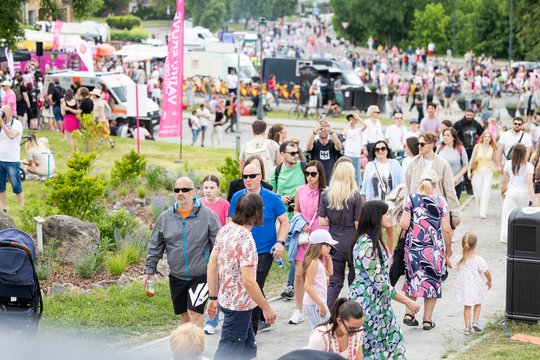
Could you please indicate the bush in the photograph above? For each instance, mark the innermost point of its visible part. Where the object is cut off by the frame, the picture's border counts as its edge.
(230, 171)
(155, 12)
(158, 177)
(135, 35)
(47, 262)
(159, 204)
(120, 221)
(74, 192)
(88, 266)
(116, 263)
(89, 134)
(132, 254)
(123, 22)
(131, 166)
(33, 208)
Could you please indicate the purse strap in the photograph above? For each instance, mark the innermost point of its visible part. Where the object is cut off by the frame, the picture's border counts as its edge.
(312, 219)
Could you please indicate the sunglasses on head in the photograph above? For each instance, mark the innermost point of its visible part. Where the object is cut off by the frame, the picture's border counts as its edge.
(184, 190)
(377, 149)
(294, 153)
(250, 176)
(311, 173)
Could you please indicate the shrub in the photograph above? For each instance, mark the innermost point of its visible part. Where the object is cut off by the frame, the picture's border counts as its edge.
(116, 263)
(123, 22)
(141, 192)
(123, 191)
(88, 266)
(47, 262)
(121, 221)
(75, 192)
(135, 35)
(89, 134)
(132, 254)
(230, 171)
(33, 208)
(139, 238)
(158, 177)
(131, 166)
(159, 204)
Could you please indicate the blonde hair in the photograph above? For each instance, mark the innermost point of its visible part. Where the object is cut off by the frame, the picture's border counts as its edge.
(468, 242)
(428, 182)
(371, 109)
(187, 342)
(342, 186)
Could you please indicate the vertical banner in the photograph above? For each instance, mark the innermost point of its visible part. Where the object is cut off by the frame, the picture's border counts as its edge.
(171, 116)
(11, 63)
(85, 53)
(57, 30)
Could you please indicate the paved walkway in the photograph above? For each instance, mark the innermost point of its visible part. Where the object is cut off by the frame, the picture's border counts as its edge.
(446, 336)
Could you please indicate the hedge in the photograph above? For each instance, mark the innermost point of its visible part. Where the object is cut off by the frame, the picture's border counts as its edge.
(136, 35)
(123, 22)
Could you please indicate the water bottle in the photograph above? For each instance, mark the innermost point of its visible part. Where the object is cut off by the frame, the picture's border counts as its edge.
(149, 288)
(279, 261)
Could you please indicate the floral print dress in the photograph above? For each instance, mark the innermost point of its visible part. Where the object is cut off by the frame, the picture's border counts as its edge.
(371, 288)
(424, 246)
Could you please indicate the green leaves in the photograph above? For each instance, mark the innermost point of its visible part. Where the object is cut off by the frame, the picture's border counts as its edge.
(431, 25)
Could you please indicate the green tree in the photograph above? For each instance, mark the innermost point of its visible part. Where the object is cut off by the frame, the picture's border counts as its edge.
(82, 9)
(490, 29)
(210, 14)
(431, 25)
(11, 21)
(527, 14)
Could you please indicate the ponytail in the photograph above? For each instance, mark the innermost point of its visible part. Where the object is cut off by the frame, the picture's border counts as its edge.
(426, 187)
(344, 309)
(468, 242)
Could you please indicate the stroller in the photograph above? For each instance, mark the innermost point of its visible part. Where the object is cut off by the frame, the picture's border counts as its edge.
(21, 304)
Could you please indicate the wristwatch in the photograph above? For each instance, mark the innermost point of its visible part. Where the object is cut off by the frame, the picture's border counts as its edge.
(212, 298)
(280, 242)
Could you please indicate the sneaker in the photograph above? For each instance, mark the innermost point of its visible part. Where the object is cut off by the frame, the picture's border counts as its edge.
(467, 332)
(263, 326)
(476, 327)
(288, 293)
(296, 317)
(209, 330)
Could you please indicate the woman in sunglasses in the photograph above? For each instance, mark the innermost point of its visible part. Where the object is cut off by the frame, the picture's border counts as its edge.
(372, 289)
(342, 333)
(306, 205)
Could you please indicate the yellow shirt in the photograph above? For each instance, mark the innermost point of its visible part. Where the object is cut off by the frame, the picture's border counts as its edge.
(484, 158)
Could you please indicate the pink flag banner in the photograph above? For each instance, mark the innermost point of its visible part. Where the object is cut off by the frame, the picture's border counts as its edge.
(11, 63)
(171, 116)
(57, 30)
(85, 53)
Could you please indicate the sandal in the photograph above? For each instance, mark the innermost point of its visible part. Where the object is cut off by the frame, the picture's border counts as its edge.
(431, 325)
(409, 320)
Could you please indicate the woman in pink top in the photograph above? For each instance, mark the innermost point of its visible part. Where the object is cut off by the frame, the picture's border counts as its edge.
(217, 204)
(306, 203)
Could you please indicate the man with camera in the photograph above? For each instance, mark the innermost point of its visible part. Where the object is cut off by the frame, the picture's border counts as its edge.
(11, 131)
(285, 179)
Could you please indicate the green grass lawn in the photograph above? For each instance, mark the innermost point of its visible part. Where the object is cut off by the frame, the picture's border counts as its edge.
(284, 114)
(497, 346)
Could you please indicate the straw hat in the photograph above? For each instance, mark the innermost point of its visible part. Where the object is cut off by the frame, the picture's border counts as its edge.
(96, 92)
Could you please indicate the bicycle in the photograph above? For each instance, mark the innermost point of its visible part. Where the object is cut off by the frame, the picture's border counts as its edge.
(302, 111)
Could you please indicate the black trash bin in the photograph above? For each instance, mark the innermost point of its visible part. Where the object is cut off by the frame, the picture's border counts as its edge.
(348, 99)
(523, 265)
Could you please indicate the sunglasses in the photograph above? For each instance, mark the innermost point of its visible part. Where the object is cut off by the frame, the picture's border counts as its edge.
(518, 124)
(380, 149)
(184, 190)
(250, 176)
(376, 112)
(352, 331)
(311, 173)
(422, 144)
(294, 153)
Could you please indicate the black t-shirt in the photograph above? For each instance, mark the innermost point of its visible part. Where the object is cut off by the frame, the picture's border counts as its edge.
(468, 133)
(33, 97)
(326, 154)
(57, 95)
(23, 90)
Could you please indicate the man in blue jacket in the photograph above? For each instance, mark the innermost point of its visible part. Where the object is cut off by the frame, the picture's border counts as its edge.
(187, 232)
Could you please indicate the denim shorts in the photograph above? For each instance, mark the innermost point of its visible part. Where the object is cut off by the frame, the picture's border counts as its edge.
(11, 170)
(57, 112)
(237, 336)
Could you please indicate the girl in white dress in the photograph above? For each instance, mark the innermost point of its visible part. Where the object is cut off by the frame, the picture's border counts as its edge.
(472, 281)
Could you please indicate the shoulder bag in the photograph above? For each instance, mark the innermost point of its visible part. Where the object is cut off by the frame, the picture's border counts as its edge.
(303, 238)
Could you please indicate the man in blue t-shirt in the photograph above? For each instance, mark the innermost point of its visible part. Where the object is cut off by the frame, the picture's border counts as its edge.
(266, 236)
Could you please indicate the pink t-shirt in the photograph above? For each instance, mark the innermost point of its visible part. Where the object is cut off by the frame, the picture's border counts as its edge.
(309, 204)
(220, 207)
(235, 248)
(319, 286)
(11, 100)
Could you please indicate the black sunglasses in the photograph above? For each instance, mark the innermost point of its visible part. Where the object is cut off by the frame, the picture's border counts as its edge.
(250, 176)
(184, 190)
(352, 331)
(294, 153)
(381, 149)
(422, 144)
(311, 173)
(518, 124)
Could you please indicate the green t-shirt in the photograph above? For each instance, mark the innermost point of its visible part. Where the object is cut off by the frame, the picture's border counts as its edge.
(289, 180)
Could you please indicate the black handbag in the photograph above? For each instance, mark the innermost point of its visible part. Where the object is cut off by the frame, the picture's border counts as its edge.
(398, 259)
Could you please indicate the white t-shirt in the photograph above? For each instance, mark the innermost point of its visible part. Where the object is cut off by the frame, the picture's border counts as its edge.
(232, 81)
(509, 139)
(318, 83)
(409, 134)
(395, 136)
(373, 131)
(518, 182)
(10, 149)
(353, 142)
(203, 115)
(142, 132)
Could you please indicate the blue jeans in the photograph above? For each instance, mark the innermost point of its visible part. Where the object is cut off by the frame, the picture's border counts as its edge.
(357, 170)
(290, 279)
(57, 112)
(237, 336)
(11, 171)
(195, 134)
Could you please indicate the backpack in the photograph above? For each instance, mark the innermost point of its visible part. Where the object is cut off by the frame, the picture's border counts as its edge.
(251, 150)
(18, 94)
(459, 149)
(303, 165)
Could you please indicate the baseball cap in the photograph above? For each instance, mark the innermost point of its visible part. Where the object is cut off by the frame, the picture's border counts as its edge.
(321, 236)
(6, 83)
(413, 120)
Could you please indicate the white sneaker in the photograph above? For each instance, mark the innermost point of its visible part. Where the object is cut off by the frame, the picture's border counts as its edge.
(209, 330)
(296, 317)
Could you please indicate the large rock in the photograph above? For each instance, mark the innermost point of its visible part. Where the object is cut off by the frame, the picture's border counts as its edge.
(76, 238)
(5, 221)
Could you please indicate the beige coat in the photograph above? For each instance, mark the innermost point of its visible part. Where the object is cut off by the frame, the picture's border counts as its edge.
(445, 187)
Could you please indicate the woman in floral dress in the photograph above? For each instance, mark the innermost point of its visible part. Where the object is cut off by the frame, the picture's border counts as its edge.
(425, 216)
(371, 287)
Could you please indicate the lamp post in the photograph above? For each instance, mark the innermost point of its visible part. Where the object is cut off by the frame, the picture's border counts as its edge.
(510, 33)
(238, 41)
(261, 29)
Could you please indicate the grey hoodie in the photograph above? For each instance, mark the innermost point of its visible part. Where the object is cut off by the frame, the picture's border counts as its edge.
(188, 241)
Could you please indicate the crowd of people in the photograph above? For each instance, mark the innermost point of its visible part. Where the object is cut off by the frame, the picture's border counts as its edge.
(336, 207)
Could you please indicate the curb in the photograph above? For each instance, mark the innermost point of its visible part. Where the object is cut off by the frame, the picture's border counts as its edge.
(468, 346)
